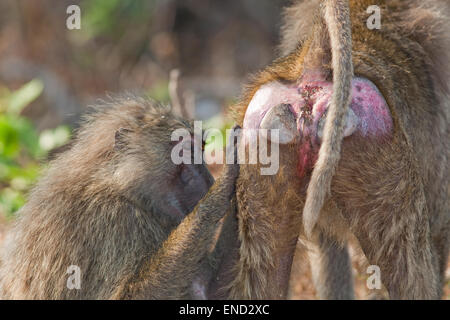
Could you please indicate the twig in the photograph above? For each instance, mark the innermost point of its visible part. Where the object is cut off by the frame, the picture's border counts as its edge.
(173, 94)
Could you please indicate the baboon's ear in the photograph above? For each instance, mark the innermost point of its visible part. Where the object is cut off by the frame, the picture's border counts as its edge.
(120, 138)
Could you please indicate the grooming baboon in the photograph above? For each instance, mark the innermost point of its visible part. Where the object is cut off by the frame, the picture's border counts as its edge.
(116, 206)
(389, 184)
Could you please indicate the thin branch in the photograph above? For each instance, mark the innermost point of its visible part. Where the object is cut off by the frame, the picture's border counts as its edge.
(173, 94)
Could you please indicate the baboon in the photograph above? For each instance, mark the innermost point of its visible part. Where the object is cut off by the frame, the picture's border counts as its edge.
(116, 206)
(383, 94)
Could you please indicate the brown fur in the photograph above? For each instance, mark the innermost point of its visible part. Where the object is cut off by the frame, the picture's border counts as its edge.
(94, 208)
(267, 236)
(392, 195)
(337, 20)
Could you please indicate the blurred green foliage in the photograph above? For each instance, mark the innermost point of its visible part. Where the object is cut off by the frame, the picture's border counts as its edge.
(113, 17)
(21, 147)
(159, 92)
(218, 138)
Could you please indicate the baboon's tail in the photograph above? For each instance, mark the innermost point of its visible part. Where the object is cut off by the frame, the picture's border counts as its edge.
(336, 14)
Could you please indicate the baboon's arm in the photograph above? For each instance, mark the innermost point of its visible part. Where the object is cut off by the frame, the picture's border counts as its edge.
(173, 269)
(224, 256)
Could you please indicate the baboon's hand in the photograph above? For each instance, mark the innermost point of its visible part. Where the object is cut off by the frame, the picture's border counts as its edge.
(217, 201)
(231, 167)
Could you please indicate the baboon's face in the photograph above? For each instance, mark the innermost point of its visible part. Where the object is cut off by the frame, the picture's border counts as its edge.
(171, 189)
(186, 183)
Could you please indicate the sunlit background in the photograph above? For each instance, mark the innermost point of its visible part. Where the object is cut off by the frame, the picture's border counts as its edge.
(49, 74)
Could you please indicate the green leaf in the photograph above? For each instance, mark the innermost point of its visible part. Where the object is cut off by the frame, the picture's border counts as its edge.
(22, 97)
(11, 201)
(112, 17)
(9, 138)
(28, 136)
(28, 174)
(160, 92)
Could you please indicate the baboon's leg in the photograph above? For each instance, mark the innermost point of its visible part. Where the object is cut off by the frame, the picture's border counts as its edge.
(331, 268)
(269, 227)
(406, 264)
(379, 187)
